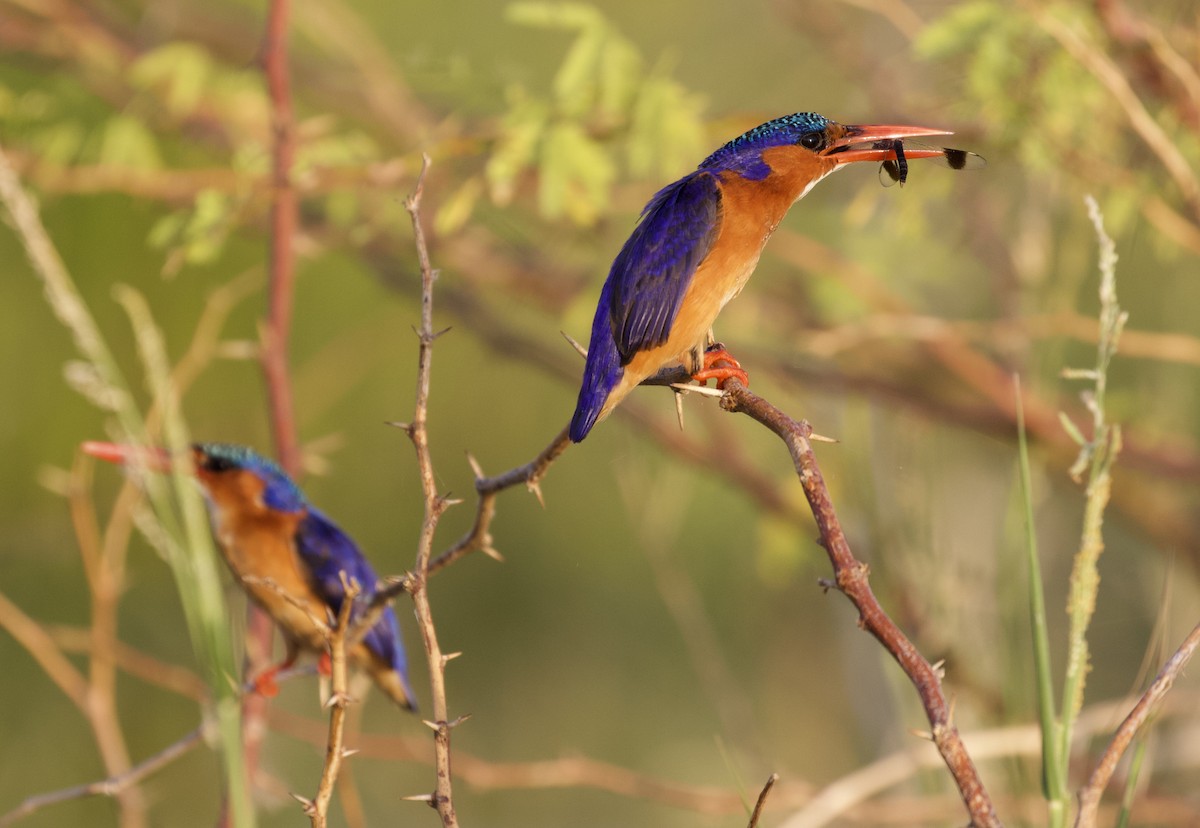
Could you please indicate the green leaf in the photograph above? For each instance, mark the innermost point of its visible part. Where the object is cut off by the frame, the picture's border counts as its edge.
(576, 173)
(666, 134)
(179, 72)
(126, 142)
(520, 137)
(457, 208)
(576, 16)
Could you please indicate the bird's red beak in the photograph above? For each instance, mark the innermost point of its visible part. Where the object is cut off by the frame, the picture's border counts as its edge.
(154, 459)
(873, 142)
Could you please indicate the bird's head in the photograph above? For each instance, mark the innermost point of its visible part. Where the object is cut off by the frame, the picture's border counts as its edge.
(805, 147)
(232, 476)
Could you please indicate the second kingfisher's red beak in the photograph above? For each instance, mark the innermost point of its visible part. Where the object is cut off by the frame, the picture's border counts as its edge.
(873, 142)
(152, 458)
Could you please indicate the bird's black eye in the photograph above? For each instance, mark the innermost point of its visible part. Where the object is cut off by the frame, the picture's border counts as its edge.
(215, 464)
(812, 140)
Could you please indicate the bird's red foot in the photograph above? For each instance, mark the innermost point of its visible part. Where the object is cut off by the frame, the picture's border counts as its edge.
(720, 365)
(325, 664)
(265, 685)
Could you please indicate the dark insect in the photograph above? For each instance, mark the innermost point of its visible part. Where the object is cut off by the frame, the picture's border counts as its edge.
(893, 171)
(897, 170)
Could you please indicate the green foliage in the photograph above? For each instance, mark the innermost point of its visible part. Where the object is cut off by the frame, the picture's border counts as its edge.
(196, 235)
(604, 105)
(177, 73)
(1041, 101)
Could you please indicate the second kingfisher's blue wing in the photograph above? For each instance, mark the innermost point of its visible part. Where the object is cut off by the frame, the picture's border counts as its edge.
(327, 551)
(655, 267)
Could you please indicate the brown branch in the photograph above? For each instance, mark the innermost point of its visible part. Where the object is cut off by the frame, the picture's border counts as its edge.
(284, 217)
(851, 580)
(756, 814)
(1089, 796)
(113, 786)
(442, 798)
(276, 332)
(339, 700)
(479, 536)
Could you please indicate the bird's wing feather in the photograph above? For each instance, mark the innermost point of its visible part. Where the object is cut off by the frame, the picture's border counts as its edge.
(655, 267)
(327, 551)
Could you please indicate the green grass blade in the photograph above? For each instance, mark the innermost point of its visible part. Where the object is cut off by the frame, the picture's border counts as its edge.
(1054, 770)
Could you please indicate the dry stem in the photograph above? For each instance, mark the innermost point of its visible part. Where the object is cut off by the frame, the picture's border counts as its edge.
(1089, 796)
(851, 580)
(339, 699)
(435, 505)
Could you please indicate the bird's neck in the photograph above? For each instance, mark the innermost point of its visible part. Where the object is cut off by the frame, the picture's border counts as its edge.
(765, 201)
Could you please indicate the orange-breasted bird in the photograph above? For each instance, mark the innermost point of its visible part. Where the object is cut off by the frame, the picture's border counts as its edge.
(287, 556)
(699, 240)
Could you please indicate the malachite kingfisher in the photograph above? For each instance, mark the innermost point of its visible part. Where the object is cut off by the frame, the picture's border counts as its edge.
(288, 557)
(700, 238)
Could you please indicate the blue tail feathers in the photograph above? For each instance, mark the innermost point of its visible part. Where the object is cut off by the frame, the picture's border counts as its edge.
(602, 372)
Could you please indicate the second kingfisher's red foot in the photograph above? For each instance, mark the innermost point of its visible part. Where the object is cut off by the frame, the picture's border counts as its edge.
(720, 365)
(265, 685)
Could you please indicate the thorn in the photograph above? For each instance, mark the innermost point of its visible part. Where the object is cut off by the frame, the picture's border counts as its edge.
(826, 584)
(444, 330)
(579, 349)
(348, 752)
(679, 408)
(492, 553)
(428, 798)
(307, 804)
(434, 726)
(921, 734)
(450, 657)
(536, 489)
(939, 668)
(448, 501)
(337, 700)
(405, 427)
(458, 721)
(697, 389)
(820, 438)
(476, 469)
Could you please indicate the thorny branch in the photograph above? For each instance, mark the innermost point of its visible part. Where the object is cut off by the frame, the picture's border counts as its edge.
(851, 580)
(339, 699)
(442, 797)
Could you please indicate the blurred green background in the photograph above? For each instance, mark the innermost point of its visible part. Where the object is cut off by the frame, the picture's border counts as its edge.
(661, 613)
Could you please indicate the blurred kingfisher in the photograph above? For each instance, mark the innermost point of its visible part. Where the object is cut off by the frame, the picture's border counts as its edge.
(277, 544)
(699, 240)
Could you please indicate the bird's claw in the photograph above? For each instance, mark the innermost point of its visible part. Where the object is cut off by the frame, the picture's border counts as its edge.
(265, 685)
(720, 365)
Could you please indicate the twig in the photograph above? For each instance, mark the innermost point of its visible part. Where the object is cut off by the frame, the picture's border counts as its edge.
(756, 814)
(1089, 796)
(107, 787)
(335, 744)
(435, 505)
(479, 536)
(851, 580)
(276, 331)
(283, 230)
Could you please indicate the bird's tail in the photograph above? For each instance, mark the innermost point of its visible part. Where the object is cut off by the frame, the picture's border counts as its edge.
(601, 374)
(391, 681)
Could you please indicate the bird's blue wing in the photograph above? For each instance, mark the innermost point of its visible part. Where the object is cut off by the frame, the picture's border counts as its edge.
(327, 551)
(641, 297)
(655, 267)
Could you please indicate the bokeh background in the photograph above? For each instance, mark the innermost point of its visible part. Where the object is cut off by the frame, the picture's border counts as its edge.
(660, 616)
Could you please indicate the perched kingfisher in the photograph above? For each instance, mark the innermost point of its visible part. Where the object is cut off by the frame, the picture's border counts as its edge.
(287, 555)
(699, 240)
